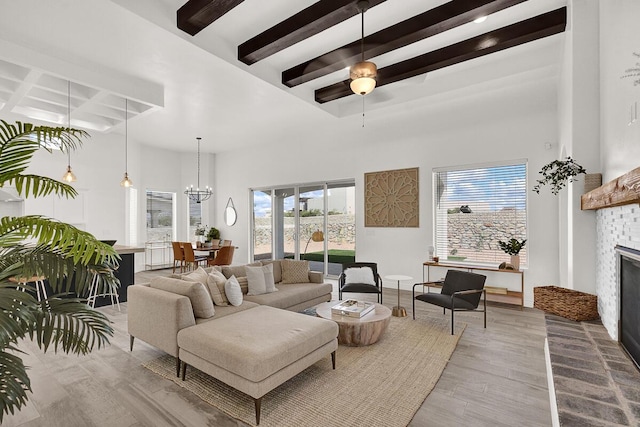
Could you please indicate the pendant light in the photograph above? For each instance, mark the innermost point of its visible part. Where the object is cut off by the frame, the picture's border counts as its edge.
(126, 182)
(69, 175)
(363, 74)
(198, 195)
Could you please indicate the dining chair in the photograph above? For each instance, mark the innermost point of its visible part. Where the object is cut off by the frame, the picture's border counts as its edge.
(178, 255)
(224, 256)
(226, 243)
(190, 259)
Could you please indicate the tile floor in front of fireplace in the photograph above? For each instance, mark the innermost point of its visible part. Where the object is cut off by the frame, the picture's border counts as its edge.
(596, 383)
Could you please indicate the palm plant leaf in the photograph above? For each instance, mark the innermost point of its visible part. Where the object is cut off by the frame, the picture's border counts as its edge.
(40, 246)
(71, 325)
(14, 382)
(19, 142)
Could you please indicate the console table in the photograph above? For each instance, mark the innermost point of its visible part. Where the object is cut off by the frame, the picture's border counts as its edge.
(494, 293)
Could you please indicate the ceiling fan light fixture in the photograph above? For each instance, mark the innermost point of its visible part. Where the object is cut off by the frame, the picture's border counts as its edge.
(363, 77)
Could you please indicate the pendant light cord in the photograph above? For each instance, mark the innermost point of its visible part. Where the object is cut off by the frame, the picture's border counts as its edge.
(126, 136)
(198, 162)
(68, 119)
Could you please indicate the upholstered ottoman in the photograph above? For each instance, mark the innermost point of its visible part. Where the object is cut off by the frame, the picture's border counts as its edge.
(258, 349)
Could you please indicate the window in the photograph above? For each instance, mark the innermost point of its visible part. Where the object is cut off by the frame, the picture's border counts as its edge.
(160, 216)
(475, 207)
(195, 218)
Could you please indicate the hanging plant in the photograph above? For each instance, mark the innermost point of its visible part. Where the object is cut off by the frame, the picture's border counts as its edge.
(558, 173)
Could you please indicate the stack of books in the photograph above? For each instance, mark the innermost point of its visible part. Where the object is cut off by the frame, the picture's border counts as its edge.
(352, 308)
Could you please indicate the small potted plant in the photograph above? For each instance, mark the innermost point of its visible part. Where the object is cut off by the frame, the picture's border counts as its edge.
(213, 236)
(513, 248)
(558, 173)
(200, 231)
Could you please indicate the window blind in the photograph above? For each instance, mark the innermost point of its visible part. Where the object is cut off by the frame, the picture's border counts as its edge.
(477, 206)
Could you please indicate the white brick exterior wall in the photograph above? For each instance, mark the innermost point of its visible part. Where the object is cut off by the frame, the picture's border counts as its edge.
(615, 226)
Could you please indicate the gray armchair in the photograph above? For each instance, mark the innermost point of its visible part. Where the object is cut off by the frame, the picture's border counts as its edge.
(461, 291)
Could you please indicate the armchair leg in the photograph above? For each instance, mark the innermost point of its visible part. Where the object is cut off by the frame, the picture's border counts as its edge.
(258, 404)
(452, 311)
(178, 368)
(485, 309)
(333, 359)
(131, 338)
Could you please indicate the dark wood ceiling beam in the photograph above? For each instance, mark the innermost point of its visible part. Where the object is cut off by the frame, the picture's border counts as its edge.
(196, 15)
(522, 32)
(304, 24)
(419, 27)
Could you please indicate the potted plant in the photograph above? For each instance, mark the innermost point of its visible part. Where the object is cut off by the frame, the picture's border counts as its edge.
(213, 236)
(513, 248)
(38, 246)
(200, 232)
(558, 173)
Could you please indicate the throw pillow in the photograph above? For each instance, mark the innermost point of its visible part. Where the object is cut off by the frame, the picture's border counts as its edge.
(244, 284)
(198, 275)
(196, 292)
(237, 270)
(359, 275)
(295, 271)
(260, 280)
(277, 269)
(215, 283)
(233, 291)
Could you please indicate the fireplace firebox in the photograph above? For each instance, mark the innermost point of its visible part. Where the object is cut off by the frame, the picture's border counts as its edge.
(629, 292)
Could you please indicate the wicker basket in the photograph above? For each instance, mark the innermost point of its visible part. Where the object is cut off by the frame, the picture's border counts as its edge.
(567, 303)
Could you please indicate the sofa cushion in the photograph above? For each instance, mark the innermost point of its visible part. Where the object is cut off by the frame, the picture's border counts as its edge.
(237, 270)
(277, 269)
(196, 292)
(215, 283)
(289, 295)
(233, 291)
(258, 351)
(206, 269)
(260, 279)
(197, 275)
(222, 311)
(295, 271)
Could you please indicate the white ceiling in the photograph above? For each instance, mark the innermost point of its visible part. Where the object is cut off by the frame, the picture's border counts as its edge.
(181, 86)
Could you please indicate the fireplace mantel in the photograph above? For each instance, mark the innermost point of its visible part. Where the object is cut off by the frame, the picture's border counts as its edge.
(623, 190)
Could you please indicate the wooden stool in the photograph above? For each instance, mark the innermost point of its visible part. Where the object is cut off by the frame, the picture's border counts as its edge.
(38, 280)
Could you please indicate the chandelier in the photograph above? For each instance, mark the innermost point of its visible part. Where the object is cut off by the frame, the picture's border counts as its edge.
(196, 194)
(363, 74)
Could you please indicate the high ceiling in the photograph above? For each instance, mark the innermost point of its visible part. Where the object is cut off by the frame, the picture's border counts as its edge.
(260, 61)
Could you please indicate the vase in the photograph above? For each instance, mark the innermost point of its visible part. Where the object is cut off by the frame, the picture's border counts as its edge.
(515, 261)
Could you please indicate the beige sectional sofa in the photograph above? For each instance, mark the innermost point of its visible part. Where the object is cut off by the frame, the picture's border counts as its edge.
(178, 316)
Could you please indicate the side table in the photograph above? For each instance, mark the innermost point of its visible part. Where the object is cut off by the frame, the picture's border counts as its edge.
(398, 310)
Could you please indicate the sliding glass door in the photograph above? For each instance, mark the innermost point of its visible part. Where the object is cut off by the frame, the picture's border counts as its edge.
(314, 222)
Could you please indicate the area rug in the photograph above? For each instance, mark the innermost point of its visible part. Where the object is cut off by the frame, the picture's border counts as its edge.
(379, 385)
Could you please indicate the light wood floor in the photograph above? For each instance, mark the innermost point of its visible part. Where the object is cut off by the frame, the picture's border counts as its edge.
(496, 377)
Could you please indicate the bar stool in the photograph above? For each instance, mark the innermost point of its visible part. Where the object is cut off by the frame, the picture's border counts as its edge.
(93, 294)
(38, 280)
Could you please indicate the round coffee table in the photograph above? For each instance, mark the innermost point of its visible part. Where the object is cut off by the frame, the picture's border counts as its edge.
(357, 331)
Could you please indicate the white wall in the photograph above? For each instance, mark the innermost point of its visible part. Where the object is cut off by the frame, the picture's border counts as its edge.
(497, 126)
(102, 207)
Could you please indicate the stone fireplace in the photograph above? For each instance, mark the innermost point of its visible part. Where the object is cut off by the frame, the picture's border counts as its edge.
(617, 225)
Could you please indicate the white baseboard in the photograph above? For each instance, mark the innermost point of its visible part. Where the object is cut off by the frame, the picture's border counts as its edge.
(555, 420)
